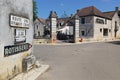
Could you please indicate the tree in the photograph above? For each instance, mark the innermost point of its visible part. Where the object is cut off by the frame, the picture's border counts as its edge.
(34, 10)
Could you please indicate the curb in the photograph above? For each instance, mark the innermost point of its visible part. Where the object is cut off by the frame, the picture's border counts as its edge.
(32, 74)
(84, 42)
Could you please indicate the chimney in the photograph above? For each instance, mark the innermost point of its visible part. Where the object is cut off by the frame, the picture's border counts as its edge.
(77, 10)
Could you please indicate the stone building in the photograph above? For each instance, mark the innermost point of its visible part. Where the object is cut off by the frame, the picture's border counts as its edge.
(99, 25)
(94, 24)
(39, 28)
(16, 30)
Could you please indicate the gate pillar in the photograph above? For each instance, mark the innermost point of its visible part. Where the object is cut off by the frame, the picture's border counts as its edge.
(53, 24)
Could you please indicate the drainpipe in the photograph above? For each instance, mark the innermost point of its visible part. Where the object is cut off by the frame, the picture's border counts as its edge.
(116, 27)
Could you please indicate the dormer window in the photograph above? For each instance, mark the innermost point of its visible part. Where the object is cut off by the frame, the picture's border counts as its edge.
(100, 21)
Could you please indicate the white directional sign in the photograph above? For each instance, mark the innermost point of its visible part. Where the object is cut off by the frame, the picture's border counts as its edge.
(16, 21)
(20, 35)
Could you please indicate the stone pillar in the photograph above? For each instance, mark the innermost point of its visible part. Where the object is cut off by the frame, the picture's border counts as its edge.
(76, 29)
(53, 25)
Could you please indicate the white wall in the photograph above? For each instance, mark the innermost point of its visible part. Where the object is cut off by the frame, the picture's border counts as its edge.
(117, 19)
(40, 28)
(67, 30)
(18, 7)
(97, 26)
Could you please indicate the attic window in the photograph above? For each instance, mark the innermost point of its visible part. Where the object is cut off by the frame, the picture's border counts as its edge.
(82, 20)
(100, 21)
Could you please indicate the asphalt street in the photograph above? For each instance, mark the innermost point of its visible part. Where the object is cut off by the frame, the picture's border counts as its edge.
(89, 61)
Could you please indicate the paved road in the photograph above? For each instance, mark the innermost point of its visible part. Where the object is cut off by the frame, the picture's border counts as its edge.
(91, 61)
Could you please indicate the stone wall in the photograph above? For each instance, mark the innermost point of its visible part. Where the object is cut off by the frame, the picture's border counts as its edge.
(87, 27)
(12, 65)
(38, 29)
(117, 19)
(98, 34)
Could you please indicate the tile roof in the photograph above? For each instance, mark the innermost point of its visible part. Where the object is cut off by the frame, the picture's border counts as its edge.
(43, 21)
(63, 19)
(109, 14)
(91, 11)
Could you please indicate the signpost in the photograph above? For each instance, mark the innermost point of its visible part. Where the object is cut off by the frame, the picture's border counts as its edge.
(15, 49)
(20, 22)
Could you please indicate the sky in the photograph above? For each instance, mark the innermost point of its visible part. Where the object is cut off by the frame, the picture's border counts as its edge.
(70, 6)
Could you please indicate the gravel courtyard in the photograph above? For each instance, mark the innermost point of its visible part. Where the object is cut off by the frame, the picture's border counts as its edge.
(89, 61)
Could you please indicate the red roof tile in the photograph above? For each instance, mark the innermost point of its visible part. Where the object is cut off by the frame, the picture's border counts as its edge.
(42, 20)
(90, 11)
(109, 14)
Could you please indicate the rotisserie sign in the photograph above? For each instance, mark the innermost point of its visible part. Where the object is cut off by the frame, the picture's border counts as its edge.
(15, 49)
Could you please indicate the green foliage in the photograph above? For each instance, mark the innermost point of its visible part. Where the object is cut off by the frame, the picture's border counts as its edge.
(34, 10)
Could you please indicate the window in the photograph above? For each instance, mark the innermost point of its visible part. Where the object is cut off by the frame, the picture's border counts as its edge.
(105, 21)
(20, 35)
(116, 27)
(100, 21)
(82, 20)
(37, 26)
(83, 33)
(100, 29)
(105, 32)
(109, 30)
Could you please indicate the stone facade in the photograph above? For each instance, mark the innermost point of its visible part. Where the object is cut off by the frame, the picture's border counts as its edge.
(115, 20)
(96, 25)
(53, 26)
(12, 65)
(76, 29)
(109, 26)
(99, 29)
(39, 28)
(86, 29)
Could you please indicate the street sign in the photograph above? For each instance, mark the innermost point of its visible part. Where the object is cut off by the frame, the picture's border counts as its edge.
(20, 22)
(15, 49)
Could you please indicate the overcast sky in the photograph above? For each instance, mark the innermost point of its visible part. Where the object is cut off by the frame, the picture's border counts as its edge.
(70, 6)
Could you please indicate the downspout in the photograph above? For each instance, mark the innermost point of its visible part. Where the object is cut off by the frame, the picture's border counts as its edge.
(116, 27)
(93, 28)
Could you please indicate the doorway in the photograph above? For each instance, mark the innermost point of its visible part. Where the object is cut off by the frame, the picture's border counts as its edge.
(105, 32)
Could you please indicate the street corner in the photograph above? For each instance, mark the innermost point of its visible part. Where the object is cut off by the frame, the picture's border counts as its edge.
(33, 73)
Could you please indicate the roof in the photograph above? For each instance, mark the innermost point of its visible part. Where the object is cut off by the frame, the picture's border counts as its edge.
(43, 21)
(53, 14)
(109, 14)
(91, 11)
(63, 19)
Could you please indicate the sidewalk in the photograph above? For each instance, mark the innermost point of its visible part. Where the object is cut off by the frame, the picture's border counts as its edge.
(84, 42)
(32, 74)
